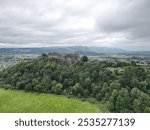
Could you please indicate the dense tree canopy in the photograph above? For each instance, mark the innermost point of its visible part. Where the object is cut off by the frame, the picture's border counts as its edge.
(128, 91)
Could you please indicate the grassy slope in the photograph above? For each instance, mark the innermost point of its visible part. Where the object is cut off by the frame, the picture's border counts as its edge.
(18, 101)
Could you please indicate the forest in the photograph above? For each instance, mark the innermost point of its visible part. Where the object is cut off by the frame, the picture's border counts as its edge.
(124, 91)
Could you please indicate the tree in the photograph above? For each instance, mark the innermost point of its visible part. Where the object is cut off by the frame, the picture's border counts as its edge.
(135, 83)
(20, 85)
(135, 93)
(66, 83)
(38, 88)
(136, 105)
(28, 87)
(144, 100)
(94, 75)
(99, 96)
(86, 93)
(120, 104)
(112, 100)
(105, 88)
(57, 89)
(115, 85)
(143, 86)
(46, 83)
(87, 83)
(76, 89)
(35, 82)
(123, 101)
(54, 83)
(84, 58)
(44, 55)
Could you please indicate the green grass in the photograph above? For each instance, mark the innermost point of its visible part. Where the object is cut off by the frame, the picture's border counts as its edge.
(13, 101)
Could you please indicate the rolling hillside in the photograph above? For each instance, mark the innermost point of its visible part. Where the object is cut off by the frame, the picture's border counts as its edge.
(70, 49)
(19, 102)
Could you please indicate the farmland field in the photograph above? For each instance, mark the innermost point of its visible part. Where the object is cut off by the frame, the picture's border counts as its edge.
(19, 102)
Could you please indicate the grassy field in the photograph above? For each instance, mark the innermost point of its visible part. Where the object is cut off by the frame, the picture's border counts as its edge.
(12, 101)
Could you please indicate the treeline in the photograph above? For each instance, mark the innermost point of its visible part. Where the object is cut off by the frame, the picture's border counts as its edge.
(128, 91)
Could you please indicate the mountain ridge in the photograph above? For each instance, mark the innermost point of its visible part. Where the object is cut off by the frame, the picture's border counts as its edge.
(70, 49)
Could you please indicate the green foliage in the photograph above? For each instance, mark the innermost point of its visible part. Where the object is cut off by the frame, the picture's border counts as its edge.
(76, 89)
(136, 105)
(84, 58)
(57, 89)
(128, 91)
(44, 55)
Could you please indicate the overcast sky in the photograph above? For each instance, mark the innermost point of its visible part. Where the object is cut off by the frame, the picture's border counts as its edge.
(104, 23)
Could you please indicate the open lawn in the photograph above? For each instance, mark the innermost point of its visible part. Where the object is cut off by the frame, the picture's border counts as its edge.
(13, 101)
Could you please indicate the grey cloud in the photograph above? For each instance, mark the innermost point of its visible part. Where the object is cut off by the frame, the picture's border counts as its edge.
(131, 18)
(111, 23)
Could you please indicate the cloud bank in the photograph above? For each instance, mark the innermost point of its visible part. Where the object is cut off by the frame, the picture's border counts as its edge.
(104, 23)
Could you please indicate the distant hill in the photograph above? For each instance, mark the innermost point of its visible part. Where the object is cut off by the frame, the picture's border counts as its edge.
(82, 50)
(107, 50)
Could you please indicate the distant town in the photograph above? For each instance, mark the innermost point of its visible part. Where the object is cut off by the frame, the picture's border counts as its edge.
(10, 60)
